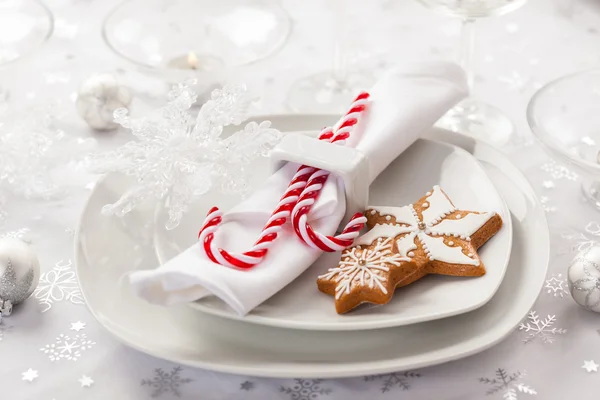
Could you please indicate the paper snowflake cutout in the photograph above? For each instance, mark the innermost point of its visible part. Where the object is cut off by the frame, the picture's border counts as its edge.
(541, 328)
(32, 148)
(364, 267)
(507, 384)
(177, 158)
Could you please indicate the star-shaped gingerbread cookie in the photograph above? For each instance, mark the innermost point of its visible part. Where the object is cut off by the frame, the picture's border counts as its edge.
(406, 243)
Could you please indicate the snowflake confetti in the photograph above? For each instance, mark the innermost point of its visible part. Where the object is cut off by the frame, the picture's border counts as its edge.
(32, 147)
(556, 286)
(557, 171)
(166, 382)
(67, 348)
(77, 326)
(247, 386)
(541, 328)
(548, 184)
(590, 366)
(395, 380)
(507, 384)
(177, 158)
(30, 375)
(583, 240)
(305, 389)
(57, 285)
(86, 381)
(21, 234)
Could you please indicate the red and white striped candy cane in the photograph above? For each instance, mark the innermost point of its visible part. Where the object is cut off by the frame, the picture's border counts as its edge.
(310, 193)
(284, 208)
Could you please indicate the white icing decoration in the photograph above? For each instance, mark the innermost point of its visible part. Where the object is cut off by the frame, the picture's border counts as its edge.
(406, 244)
(439, 206)
(373, 212)
(404, 215)
(382, 230)
(464, 227)
(441, 252)
(425, 205)
(364, 267)
(387, 218)
(458, 216)
(430, 231)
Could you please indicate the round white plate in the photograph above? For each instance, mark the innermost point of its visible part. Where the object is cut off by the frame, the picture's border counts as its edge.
(108, 248)
(300, 305)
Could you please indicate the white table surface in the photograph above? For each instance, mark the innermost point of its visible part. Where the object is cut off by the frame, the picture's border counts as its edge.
(515, 55)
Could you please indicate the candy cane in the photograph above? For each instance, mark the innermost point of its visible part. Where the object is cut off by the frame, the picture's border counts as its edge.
(269, 234)
(313, 187)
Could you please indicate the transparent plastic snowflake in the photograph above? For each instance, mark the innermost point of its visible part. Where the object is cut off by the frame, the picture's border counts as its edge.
(32, 147)
(178, 157)
(398, 380)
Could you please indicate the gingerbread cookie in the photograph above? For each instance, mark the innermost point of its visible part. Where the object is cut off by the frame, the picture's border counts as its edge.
(406, 243)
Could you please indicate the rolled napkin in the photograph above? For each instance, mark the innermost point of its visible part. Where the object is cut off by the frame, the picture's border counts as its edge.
(404, 103)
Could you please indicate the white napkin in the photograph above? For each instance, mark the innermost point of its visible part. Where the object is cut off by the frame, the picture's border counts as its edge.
(404, 103)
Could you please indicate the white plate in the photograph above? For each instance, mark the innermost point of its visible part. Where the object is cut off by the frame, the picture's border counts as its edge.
(300, 305)
(108, 248)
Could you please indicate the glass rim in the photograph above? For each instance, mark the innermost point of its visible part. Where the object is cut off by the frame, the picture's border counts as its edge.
(50, 18)
(540, 133)
(276, 3)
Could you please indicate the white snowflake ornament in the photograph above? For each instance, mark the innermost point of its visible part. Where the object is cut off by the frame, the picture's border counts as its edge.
(177, 158)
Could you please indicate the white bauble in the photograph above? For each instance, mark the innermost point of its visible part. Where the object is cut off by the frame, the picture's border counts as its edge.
(584, 278)
(19, 273)
(99, 96)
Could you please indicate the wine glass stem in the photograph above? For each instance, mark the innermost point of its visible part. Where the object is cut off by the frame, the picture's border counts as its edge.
(467, 47)
(340, 67)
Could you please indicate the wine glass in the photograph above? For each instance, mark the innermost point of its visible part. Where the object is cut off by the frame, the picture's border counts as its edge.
(330, 91)
(564, 115)
(471, 116)
(24, 26)
(176, 40)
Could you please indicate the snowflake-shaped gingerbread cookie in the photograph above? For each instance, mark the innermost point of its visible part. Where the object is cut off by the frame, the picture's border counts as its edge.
(406, 243)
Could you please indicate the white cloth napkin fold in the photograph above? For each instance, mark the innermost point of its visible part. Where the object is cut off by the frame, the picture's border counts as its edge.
(404, 103)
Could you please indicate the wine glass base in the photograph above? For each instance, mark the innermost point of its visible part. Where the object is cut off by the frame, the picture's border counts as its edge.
(479, 120)
(591, 190)
(323, 94)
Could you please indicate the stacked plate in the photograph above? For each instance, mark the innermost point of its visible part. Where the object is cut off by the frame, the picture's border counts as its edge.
(297, 333)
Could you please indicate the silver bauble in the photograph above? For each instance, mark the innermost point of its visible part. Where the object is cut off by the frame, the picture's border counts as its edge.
(19, 273)
(584, 278)
(99, 96)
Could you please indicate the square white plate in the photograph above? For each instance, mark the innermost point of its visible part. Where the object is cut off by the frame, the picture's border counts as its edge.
(300, 305)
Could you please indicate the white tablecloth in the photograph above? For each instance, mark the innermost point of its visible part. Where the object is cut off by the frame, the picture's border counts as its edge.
(515, 55)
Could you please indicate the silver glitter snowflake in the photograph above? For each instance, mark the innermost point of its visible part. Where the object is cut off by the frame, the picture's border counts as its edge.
(305, 389)
(541, 328)
(32, 148)
(556, 286)
(507, 384)
(581, 241)
(399, 380)
(67, 348)
(177, 157)
(166, 382)
(58, 284)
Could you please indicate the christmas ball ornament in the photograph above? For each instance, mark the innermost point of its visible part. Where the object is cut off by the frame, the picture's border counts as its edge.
(99, 96)
(19, 273)
(584, 279)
